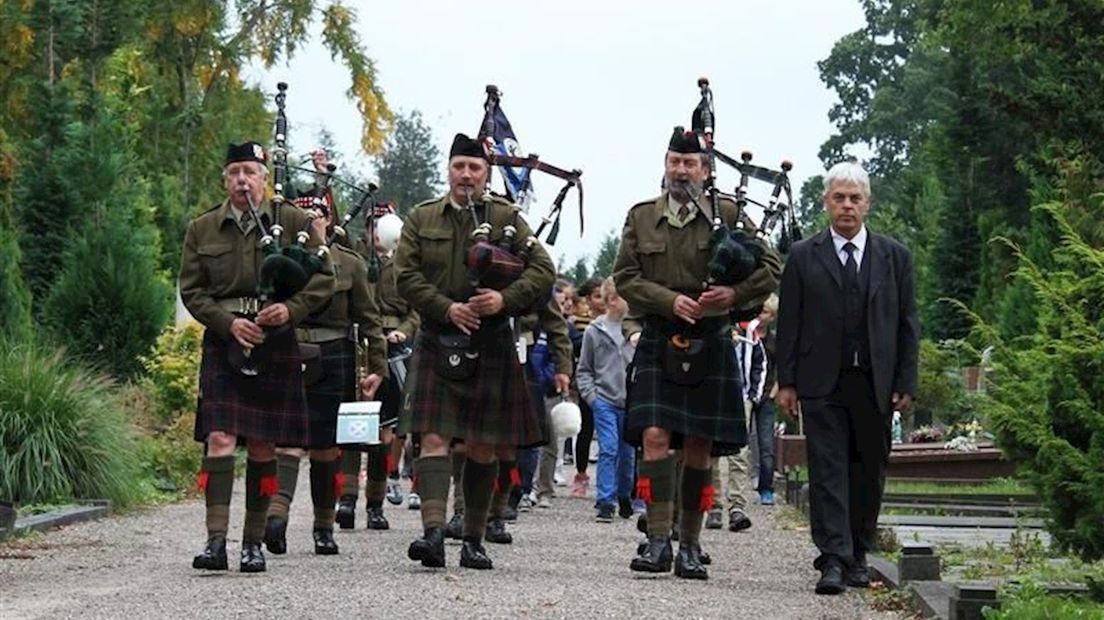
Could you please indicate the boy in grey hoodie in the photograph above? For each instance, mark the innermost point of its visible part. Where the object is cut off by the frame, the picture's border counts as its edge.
(600, 378)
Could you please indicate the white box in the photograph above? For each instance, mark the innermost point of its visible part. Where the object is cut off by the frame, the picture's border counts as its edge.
(359, 422)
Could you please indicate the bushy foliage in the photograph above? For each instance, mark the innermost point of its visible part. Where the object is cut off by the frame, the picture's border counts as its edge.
(172, 371)
(1047, 387)
(64, 433)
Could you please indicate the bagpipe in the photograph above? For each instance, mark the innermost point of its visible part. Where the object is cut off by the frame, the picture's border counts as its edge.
(500, 143)
(284, 271)
(737, 249)
(495, 265)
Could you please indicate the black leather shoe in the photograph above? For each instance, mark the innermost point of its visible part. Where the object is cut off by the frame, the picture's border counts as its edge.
(688, 564)
(275, 535)
(346, 512)
(738, 520)
(455, 527)
(473, 555)
(831, 579)
(642, 524)
(213, 556)
(655, 557)
(858, 574)
(705, 558)
(496, 532)
(429, 549)
(252, 558)
(510, 514)
(324, 543)
(376, 520)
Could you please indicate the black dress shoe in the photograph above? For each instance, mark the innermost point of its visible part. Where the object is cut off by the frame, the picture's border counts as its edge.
(429, 549)
(858, 574)
(376, 520)
(346, 512)
(510, 514)
(455, 527)
(324, 543)
(831, 579)
(213, 556)
(642, 524)
(496, 532)
(688, 564)
(473, 555)
(275, 535)
(252, 558)
(705, 558)
(655, 557)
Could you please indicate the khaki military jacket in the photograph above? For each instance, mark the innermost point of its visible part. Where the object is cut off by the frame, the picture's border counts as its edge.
(220, 262)
(658, 262)
(353, 302)
(430, 262)
(397, 312)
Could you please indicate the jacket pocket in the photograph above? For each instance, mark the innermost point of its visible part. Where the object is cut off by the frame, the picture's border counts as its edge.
(217, 260)
(651, 253)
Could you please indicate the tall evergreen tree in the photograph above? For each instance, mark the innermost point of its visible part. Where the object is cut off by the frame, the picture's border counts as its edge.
(409, 169)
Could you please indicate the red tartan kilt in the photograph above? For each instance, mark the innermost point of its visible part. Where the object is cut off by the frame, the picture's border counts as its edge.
(269, 407)
(493, 407)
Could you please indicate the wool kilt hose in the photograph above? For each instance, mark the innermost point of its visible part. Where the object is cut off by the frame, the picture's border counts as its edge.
(712, 409)
(269, 407)
(491, 407)
(336, 386)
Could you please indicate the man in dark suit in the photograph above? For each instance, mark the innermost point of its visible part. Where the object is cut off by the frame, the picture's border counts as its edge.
(848, 341)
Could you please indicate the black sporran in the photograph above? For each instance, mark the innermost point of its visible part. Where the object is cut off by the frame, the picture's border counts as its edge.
(310, 361)
(456, 359)
(685, 360)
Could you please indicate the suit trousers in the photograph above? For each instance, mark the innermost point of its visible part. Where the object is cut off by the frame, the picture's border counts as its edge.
(848, 443)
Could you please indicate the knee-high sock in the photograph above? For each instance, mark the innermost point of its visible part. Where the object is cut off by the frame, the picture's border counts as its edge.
(478, 483)
(287, 476)
(260, 486)
(216, 479)
(432, 474)
(324, 480)
(376, 485)
(507, 479)
(697, 498)
(350, 473)
(458, 460)
(656, 486)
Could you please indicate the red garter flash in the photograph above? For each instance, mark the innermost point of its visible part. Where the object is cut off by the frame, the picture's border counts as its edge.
(339, 483)
(269, 486)
(515, 477)
(644, 489)
(201, 482)
(707, 497)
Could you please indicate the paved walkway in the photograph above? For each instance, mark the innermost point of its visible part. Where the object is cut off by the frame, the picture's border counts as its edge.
(561, 564)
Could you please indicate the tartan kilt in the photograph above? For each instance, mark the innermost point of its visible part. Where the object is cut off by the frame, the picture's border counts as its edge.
(713, 409)
(492, 407)
(269, 407)
(335, 387)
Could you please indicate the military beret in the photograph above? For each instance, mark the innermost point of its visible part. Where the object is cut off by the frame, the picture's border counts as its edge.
(683, 141)
(463, 145)
(246, 151)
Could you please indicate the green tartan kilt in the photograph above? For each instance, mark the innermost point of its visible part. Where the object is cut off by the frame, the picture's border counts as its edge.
(712, 409)
(492, 407)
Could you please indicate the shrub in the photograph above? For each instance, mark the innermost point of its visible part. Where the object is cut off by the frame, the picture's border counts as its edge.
(64, 433)
(172, 369)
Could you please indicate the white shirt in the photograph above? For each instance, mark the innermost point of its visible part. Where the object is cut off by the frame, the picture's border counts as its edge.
(860, 245)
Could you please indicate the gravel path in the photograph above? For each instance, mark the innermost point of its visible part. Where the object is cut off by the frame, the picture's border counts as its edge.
(561, 564)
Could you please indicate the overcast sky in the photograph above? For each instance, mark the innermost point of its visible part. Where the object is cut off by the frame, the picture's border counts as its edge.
(591, 85)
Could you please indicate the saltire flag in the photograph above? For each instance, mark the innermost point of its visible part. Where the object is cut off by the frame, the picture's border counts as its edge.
(503, 141)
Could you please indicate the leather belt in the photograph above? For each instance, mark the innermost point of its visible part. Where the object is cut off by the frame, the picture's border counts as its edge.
(320, 334)
(391, 322)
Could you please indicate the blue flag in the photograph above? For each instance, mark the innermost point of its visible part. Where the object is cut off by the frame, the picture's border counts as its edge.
(504, 142)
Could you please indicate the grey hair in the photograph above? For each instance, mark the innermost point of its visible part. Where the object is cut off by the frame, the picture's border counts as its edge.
(264, 169)
(847, 172)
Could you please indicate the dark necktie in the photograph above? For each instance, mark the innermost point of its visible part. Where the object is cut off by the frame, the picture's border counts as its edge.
(683, 213)
(850, 268)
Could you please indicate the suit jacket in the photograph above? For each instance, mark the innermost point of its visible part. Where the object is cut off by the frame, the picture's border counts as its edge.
(811, 313)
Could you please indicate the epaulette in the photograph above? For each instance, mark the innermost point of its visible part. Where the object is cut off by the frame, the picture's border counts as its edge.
(214, 208)
(347, 250)
(650, 201)
(426, 203)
